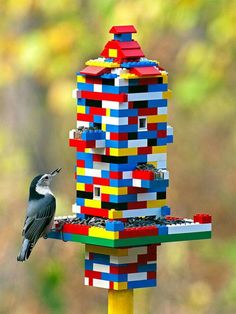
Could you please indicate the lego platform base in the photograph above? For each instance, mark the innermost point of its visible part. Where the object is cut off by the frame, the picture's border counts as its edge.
(169, 229)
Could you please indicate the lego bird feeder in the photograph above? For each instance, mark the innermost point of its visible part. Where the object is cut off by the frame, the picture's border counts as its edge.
(121, 139)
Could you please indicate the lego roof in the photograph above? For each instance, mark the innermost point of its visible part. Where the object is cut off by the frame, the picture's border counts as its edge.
(123, 29)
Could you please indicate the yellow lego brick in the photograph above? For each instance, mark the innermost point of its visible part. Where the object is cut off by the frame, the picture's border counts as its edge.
(80, 186)
(108, 112)
(115, 214)
(165, 78)
(159, 149)
(112, 53)
(123, 151)
(106, 250)
(167, 95)
(100, 63)
(120, 286)
(92, 203)
(81, 109)
(99, 232)
(81, 79)
(114, 190)
(157, 118)
(156, 203)
(80, 171)
(128, 76)
(104, 127)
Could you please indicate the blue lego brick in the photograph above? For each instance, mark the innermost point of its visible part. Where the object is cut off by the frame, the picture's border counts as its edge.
(88, 264)
(78, 73)
(97, 119)
(155, 103)
(154, 183)
(109, 76)
(123, 37)
(146, 63)
(105, 174)
(80, 201)
(157, 87)
(162, 126)
(124, 113)
(123, 198)
(142, 283)
(147, 267)
(93, 135)
(115, 225)
(85, 179)
(161, 141)
(121, 128)
(170, 139)
(54, 235)
(162, 230)
(85, 87)
(116, 144)
(165, 210)
(109, 59)
(147, 134)
(121, 182)
(114, 89)
(101, 259)
(114, 277)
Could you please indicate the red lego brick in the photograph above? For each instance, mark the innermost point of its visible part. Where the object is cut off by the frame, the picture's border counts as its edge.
(122, 29)
(80, 163)
(119, 136)
(138, 232)
(105, 197)
(93, 274)
(148, 81)
(85, 117)
(133, 120)
(97, 157)
(94, 70)
(76, 229)
(145, 71)
(135, 190)
(131, 53)
(99, 212)
(144, 150)
(104, 96)
(147, 111)
(152, 249)
(93, 80)
(137, 205)
(161, 134)
(101, 181)
(152, 126)
(88, 187)
(124, 269)
(202, 218)
(151, 275)
(80, 144)
(143, 174)
(97, 111)
(116, 175)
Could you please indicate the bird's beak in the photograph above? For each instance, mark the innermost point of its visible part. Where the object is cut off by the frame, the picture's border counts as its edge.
(55, 172)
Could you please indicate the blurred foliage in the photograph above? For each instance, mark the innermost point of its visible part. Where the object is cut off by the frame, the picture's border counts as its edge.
(43, 44)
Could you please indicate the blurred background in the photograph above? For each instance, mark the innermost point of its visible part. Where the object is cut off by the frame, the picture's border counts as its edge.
(43, 44)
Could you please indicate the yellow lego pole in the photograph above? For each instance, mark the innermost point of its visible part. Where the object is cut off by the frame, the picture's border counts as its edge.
(120, 302)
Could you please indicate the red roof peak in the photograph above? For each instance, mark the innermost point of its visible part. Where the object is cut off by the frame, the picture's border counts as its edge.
(122, 29)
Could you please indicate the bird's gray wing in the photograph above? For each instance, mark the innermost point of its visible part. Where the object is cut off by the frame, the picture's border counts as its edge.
(40, 218)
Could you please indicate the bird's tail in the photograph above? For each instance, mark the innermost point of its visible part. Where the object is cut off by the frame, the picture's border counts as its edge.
(25, 250)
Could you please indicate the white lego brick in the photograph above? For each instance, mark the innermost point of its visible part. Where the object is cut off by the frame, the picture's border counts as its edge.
(121, 82)
(101, 268)
(137, 143)
(97, 88)
(101, 165)
(166, 174)
(170, 130)
(157, 157)
(146, 196)
(182, 228)
(127, 174)
(101, 283)
(137, 182)
(115, 120)
(82, 123)
(114, 105)
(86, 281)
(137, 276)
(71, 133)
(144, 96)
(162, 110)
(141, 212)
(93, 172)
(86, 256)
(162, 164)
(74, 93)
(100, 143)
(108, 135)
(76, 209)
(100, 151)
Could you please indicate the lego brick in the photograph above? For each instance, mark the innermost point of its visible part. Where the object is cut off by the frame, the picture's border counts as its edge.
(104, 96)
(122, 29)
(93, 70)
(202, 218)
(145, 71)
(114, 226)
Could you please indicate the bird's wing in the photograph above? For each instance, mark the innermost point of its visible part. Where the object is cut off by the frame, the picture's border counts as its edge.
(36, 224)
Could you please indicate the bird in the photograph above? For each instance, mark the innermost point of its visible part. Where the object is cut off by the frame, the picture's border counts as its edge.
(39, 214)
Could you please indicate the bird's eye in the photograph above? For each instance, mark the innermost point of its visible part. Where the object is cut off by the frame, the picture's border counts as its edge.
(46, 178)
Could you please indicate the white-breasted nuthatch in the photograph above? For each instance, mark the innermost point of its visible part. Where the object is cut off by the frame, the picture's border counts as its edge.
(39, 214)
